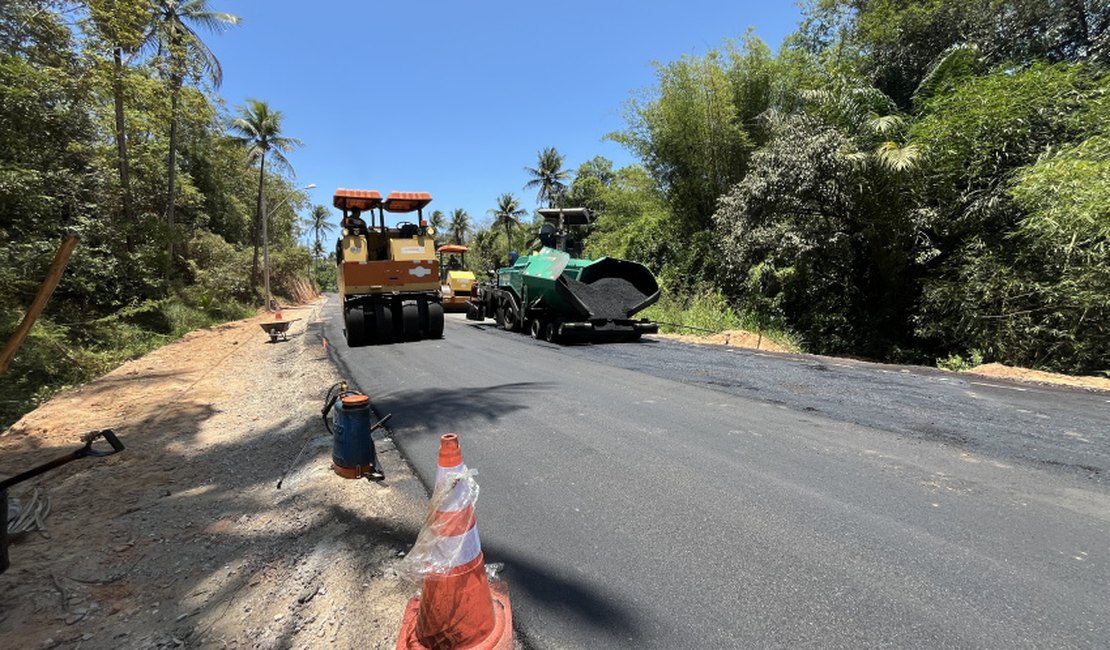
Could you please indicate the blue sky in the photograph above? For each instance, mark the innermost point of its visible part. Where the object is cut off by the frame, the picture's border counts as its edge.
(456, 98)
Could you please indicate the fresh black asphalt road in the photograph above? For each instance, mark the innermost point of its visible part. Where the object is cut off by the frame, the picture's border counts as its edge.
(665, 495)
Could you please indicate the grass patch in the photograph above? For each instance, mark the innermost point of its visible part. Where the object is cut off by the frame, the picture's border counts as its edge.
(706, 312)
(957, 363)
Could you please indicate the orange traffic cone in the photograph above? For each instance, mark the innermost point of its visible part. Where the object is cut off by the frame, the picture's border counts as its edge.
(459, 608)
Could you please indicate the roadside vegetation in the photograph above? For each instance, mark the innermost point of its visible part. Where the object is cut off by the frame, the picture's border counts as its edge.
(922, 182)
(917, 182)
(111, 128)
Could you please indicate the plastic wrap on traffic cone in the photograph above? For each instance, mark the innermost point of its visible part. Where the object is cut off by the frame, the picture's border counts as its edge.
(458, 607)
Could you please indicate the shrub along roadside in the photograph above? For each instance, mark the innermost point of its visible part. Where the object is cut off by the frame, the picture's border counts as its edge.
(707, 309)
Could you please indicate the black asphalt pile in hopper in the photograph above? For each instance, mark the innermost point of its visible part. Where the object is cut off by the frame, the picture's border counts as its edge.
(609, 298)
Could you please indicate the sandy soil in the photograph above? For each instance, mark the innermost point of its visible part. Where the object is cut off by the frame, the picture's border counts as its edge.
(1037, 376)
(729, 338)
(182, 540)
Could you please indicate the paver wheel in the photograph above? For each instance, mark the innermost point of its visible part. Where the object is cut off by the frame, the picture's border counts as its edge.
(537, 328)
(512, 318)
(551, 332)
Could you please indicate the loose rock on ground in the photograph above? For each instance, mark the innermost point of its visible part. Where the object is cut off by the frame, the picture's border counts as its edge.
(182, 540)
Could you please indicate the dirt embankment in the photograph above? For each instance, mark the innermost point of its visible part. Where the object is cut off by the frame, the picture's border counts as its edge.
(182, 539)
(729, 338)
(1039, 376)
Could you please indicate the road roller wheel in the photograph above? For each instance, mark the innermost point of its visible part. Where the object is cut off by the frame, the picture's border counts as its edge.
(435, 320)
(383, 324)
(355, 323)
(410, 322)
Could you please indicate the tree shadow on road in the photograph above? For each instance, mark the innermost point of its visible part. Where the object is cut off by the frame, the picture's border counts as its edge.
(451, 408)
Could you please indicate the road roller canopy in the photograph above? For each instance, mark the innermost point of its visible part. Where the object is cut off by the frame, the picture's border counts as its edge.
(406, 201)
(566, 216)
(364, 200)
(452, 248)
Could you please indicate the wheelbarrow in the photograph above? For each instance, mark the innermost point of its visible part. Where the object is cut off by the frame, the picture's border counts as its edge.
(278, 328)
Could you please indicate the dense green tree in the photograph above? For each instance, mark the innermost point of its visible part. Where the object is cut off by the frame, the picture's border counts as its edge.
(548, 177)
(899, 41)
(120, 25)
(1060, 319)
(689, 137)
(590, 181)
(631, 218)
(986, 288)
(817, 237)
(485, 254)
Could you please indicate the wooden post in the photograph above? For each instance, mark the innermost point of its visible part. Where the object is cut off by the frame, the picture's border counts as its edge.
(45, 291)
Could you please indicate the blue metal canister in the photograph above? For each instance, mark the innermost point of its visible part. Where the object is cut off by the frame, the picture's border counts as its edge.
(352, 445)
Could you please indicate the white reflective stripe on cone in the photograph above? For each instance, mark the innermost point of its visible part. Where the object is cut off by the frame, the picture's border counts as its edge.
(460, 496)
(456, 550)
(441, 471)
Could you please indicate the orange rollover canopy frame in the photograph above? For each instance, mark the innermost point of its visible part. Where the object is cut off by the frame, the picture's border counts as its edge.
(406, 201)
(452, 248)
(364, 200)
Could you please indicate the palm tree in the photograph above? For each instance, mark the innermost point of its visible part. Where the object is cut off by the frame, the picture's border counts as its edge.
(177, 41)
(870, 119)
(259, 128)
(437, 220)
(459, 226)
(507, 213)
(549, 176)
(320, 225)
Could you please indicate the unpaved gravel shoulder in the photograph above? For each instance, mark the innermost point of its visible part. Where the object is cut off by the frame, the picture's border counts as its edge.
(182, 540)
